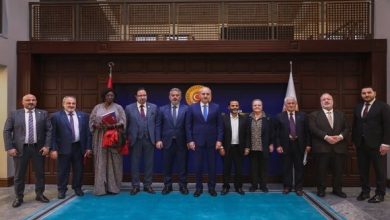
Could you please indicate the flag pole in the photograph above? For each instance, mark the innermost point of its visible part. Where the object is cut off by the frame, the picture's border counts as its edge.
(109, 81)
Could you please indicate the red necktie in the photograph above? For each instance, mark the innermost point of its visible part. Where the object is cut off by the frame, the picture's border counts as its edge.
(142, 111)
(365, 111)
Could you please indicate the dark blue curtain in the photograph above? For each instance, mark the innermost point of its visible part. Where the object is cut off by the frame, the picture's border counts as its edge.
(272, 96)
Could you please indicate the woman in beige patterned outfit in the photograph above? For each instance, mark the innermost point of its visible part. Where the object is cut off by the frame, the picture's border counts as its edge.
(108, 162)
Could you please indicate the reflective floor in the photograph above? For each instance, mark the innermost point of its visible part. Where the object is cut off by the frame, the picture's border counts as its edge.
(350, 208)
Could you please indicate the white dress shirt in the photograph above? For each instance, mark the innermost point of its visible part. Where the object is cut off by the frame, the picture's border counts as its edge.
(234, 124)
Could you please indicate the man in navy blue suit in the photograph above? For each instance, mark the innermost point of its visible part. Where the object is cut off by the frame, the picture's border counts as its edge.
(204, 130)
(292, 141)
(71, 142)
(171, 137)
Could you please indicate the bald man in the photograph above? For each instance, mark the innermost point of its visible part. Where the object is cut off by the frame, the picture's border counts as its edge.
(27, 135)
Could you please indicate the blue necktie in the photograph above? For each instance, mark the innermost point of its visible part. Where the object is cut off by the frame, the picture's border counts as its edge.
(205, 112)
(174, 114)
(72, 126)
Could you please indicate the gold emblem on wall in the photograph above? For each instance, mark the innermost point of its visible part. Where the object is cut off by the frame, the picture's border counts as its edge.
(193, 94)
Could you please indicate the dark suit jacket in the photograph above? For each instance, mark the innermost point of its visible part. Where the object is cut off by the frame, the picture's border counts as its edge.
(204, 133)
(319, 127)
(267, 134)
(134, 121)
(166, 130)
(62, 133)
(282, 128)
(242, 129)
(375, 127)
(15, 130)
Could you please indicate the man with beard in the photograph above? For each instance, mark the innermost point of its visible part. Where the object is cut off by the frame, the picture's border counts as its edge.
(27, 135)
(329, 133)
(171, 137)
(371, 137)
(234, 142)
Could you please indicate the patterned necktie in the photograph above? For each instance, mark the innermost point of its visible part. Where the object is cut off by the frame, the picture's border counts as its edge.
(174, 114)
(330, 119)
(293, 132)
(72, 126)
(142, 111)
(205, 112)
(30, 127)
(365, 111)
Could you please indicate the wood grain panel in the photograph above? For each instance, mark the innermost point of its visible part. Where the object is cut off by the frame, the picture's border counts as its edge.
(309, 82)
(349, 101)
(351, 82)
(50, 83)
(89, 83)
(54, 69)
(328, 82)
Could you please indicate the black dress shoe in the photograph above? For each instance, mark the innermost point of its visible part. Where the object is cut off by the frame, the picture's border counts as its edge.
(299, 192)
(286, 190)
(149, 189)
(212, 192)
(184, 190)
(134, 191)
(17, 202)
(264, 189)
(363, 196)
(61, 195)
(166, 190)
(42, 198)
(377, 198)
(224, 191)
(339, 194)
(321, 193)
(252, 188)
(79, 192)
(240, 191)
(198, 192)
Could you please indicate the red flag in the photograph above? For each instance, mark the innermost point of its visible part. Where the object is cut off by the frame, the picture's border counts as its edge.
(109, 81)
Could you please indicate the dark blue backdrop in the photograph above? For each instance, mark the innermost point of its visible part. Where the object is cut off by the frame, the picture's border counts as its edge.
(272, 96)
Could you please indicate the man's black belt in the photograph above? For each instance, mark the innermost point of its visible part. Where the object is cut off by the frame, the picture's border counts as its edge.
(30, 145)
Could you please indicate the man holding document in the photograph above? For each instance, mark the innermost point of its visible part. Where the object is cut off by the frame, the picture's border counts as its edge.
(293, 142)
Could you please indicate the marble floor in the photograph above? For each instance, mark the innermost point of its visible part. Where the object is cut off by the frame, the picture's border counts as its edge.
(349, 207)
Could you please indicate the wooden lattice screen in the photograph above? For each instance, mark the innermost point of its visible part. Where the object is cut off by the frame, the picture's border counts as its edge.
(205, 20)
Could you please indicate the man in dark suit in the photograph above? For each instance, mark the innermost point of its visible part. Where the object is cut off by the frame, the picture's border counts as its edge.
(204, 130)
(171, 137)
(371, 137)
(292, 141)
(234, 142)
(27, 134)
(329, 132)
(71, 142)
(141, 125)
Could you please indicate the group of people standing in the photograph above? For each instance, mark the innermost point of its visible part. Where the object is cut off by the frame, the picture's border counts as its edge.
(69, 136)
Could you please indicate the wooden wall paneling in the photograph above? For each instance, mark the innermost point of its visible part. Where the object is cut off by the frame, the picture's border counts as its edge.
(336, 67)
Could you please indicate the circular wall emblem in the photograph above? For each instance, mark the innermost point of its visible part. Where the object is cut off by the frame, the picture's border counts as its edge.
(192, 94)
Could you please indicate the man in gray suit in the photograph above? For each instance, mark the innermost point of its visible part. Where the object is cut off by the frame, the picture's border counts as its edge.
(141, 125)
(27, 134)
(329, 133)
